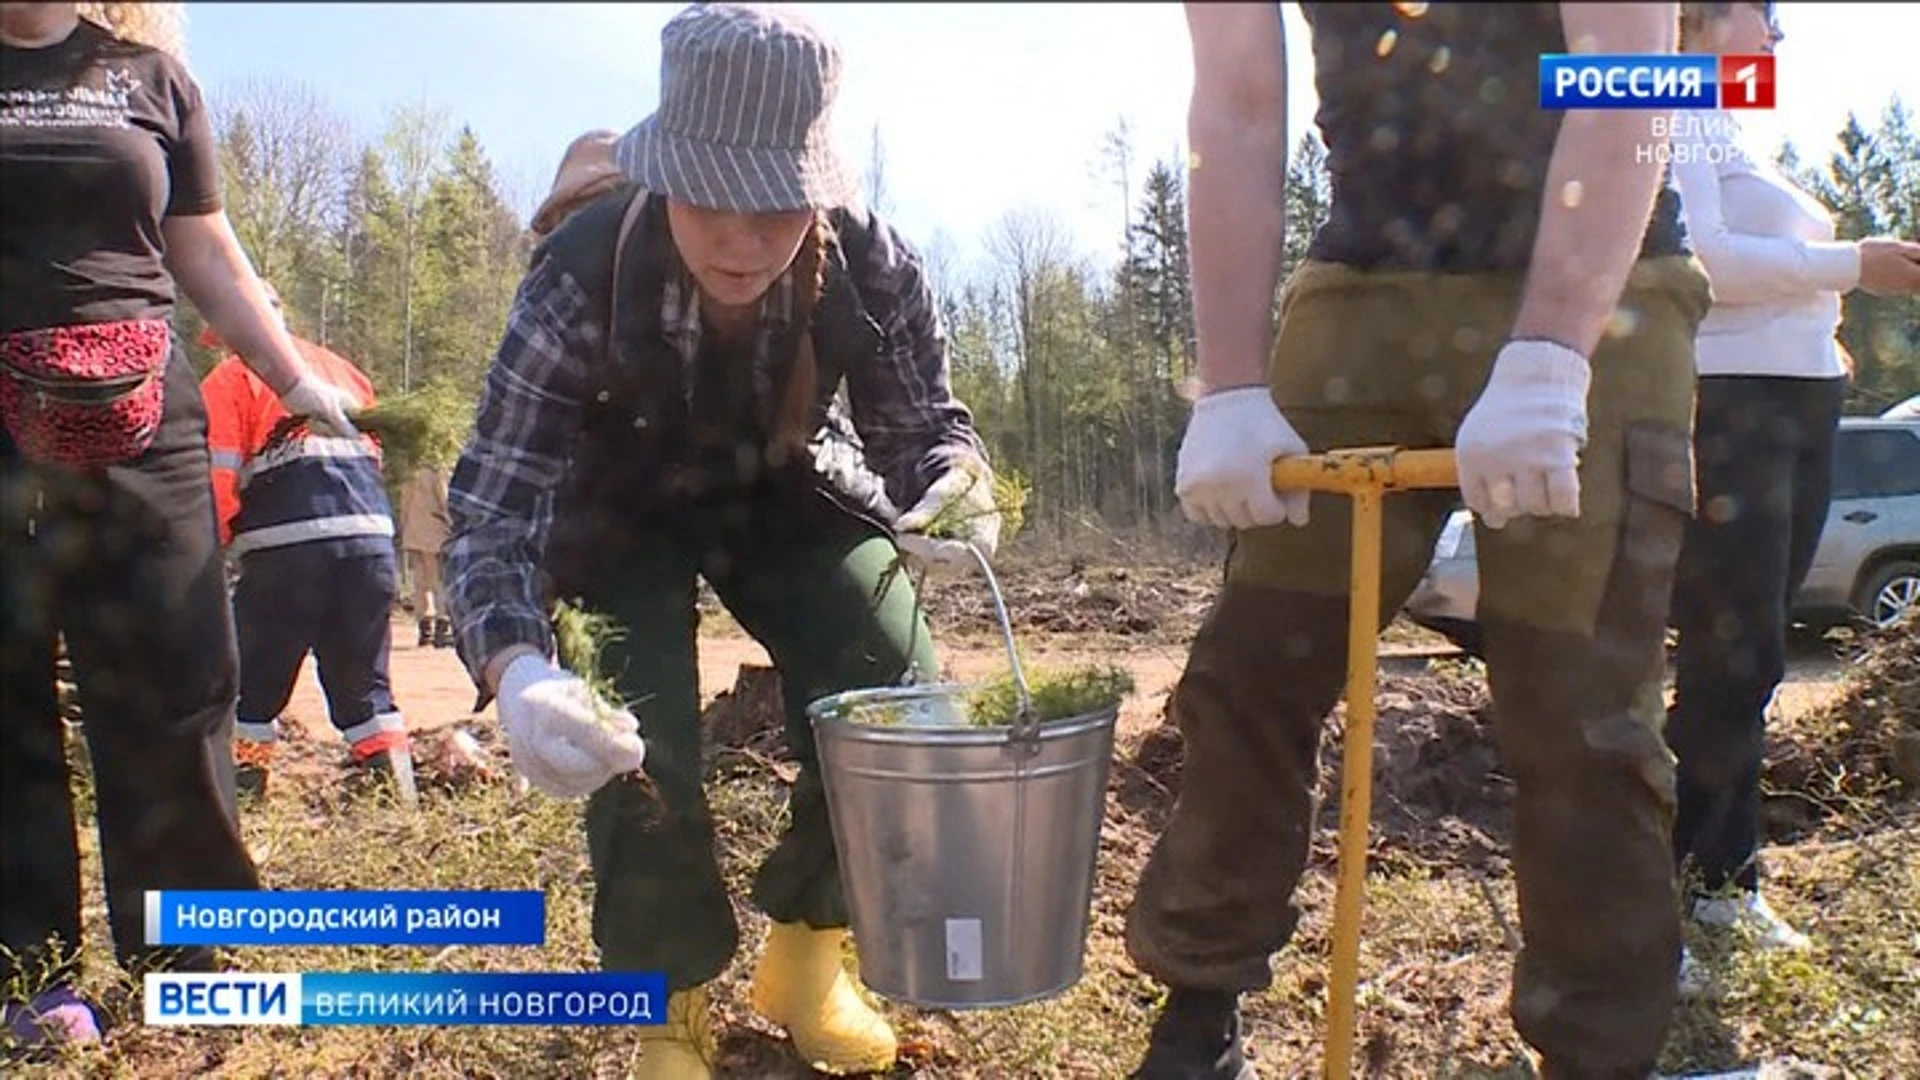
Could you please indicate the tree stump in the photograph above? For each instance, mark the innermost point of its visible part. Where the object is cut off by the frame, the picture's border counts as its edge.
(750, 716)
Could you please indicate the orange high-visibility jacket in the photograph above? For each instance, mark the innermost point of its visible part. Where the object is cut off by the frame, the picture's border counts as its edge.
(311, 488)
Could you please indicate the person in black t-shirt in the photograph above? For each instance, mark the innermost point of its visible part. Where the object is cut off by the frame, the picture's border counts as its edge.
(112, 204)
(1506, 281)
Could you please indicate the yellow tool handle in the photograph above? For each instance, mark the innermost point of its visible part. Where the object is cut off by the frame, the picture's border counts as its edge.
(1383, 468)
(1364, 474)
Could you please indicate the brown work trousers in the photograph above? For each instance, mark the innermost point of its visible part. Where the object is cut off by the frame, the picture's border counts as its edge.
(1573, 614)
(424, 568)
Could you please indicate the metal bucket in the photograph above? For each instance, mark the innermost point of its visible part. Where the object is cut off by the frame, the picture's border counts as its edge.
(967, 854)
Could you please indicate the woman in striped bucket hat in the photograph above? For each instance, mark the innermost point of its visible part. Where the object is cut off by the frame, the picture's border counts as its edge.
(665, 407)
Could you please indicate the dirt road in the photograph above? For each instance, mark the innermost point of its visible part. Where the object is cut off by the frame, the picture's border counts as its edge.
(433, 689)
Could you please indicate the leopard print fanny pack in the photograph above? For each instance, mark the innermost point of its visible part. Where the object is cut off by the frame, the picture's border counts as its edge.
(85, 396)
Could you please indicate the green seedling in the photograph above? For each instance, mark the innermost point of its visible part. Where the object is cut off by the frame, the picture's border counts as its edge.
(403, 427)
(581, 639)
(1009, 501)
(1056, 695)
(412, 429)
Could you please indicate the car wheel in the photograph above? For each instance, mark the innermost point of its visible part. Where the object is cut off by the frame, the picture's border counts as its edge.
(1889, 593)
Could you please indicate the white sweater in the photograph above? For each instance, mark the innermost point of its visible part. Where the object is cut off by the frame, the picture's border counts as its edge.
(1768, 247)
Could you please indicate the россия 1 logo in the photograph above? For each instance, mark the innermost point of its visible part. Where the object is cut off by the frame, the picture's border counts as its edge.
(1658, 81)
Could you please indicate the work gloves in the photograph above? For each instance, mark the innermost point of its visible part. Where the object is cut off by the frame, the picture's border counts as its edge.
(959, 506)
(1519, 447)
(1224, 477)
(564, 741)
(319, 400)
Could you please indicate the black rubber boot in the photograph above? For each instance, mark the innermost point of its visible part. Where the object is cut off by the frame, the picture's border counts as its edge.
(426, 633)
(250, 781)
(1196, 1037)
(394, 769)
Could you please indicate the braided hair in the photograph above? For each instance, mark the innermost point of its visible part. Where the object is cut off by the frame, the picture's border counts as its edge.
(792, 426)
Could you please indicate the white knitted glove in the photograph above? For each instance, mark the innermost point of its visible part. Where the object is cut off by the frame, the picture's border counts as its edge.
(1225, 473)
(934, 552)
(960, 506)
(559, 737)
(320, 400)
(1519, 447)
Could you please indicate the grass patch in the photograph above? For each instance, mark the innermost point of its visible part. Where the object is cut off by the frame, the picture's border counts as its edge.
(1854, 1001)
(1435, 960)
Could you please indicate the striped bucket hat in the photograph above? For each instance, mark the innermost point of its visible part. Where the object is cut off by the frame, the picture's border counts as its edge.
(746, 100)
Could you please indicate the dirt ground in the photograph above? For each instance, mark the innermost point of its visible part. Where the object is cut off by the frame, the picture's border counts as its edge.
(1441, 918)
(1440, 795)
(433, 689)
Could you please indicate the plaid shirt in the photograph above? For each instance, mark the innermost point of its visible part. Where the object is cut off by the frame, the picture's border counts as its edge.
(906, 428)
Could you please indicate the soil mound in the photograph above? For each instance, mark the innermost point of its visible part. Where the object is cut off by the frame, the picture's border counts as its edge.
(1438, 793)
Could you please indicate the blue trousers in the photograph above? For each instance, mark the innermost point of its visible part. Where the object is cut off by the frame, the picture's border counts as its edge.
(312, 598)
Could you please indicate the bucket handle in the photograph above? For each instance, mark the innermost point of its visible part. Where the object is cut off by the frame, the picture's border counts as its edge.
(1026, 728)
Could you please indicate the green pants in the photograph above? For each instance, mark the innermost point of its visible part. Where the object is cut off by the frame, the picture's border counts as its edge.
(823, 594)
(1573, 613)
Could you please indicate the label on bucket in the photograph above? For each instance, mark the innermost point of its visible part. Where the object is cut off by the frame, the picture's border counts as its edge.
(963, 950)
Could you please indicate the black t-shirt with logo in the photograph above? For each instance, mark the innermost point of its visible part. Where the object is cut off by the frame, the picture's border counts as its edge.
(1437, 147)
(100, 140)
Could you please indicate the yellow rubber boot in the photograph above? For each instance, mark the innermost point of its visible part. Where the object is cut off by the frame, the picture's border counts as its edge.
(683, 1047)
(801, 985)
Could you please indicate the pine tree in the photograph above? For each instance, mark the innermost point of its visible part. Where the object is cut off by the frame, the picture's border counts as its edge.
(1159, 275)
(1869, 189)
(1309, 198)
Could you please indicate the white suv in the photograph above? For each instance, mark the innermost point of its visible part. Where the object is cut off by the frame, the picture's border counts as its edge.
(1867, 566)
